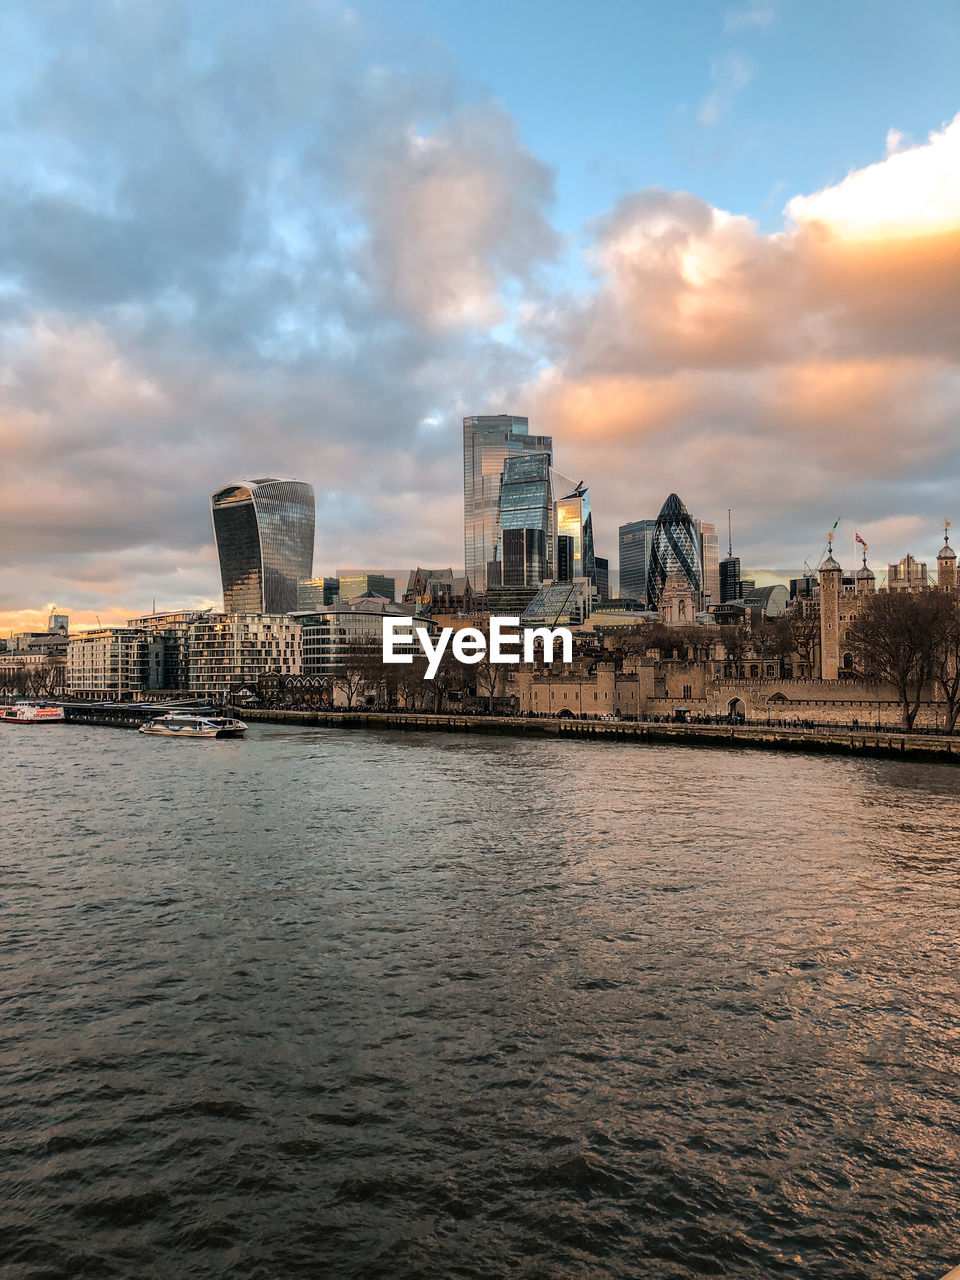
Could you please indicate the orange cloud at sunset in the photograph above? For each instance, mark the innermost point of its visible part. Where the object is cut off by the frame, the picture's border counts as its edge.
(810, 363)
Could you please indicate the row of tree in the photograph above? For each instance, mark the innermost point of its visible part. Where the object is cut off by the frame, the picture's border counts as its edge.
(912, 641)
(35, 679)
(363, 673)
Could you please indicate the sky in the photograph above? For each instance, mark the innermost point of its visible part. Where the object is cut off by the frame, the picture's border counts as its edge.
(710, 248)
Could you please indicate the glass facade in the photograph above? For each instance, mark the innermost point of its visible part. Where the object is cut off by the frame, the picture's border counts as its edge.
(526, 520)
(730, 579)
(675, 551)
(316, 593)
(488, 440)
(575, 555)
(264, 533)
(636, 544)
(559, 604)
(357, 582)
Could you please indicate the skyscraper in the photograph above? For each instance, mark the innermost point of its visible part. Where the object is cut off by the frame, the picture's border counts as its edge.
(525, 547)
(730, 588)
(488, 440)
(264, 534)
(729, 570)
(675, 552)
(636, 543)
(574, 523)
(709, 563)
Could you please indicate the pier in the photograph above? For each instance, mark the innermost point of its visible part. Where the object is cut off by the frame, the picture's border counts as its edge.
(883, 743)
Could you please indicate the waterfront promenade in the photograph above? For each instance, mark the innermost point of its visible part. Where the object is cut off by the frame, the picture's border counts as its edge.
(827, 739)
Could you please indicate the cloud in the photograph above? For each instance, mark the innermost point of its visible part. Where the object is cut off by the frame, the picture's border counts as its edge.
(758, 13)
(796, 376)
(451, 214)
(729, 74)
(233, 245)
(912, 192)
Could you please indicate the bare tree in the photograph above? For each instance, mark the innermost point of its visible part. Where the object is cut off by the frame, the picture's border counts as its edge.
(946, 659)
(361, 667)
(805, 630)
(896, 638)
(735, 640)
(447, 676)
(412, 684)
(778, 635)
(488, 677)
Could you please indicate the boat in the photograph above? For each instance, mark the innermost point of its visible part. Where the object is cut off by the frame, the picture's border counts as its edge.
(184, 724)
(31, 713)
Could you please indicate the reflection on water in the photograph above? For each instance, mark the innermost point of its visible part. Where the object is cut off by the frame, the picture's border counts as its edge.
(333, 1004)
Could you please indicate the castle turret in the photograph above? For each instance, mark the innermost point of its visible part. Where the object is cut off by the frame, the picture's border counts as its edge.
(864, 579)
(947, 563)
(830, 578)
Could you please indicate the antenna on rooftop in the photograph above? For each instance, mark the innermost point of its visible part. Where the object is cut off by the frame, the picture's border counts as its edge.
(729, 536)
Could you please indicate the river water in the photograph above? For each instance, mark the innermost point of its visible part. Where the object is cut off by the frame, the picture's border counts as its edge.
(322, 1003)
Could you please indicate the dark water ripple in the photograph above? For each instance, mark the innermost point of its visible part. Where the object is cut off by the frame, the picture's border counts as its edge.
(321, 1004)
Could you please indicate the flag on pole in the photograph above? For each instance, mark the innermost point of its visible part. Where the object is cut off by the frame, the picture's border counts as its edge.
(861, 541)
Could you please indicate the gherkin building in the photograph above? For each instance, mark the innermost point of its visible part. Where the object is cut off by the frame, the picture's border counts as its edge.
(675, 550)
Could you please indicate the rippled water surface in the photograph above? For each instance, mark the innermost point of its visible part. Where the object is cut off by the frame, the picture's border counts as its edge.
(358, 1005)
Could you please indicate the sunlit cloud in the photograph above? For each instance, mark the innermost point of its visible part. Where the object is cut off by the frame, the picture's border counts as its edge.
(212, 269)
(913, 191)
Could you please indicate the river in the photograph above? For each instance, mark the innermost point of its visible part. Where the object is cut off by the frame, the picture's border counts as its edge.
(349, 1004)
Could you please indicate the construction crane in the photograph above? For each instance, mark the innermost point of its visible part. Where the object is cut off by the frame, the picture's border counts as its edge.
(806, 564)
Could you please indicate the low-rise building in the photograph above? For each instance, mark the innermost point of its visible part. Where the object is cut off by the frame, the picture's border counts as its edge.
(328, 635)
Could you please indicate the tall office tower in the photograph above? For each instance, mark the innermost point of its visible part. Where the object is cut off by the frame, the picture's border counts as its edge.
(730, 588)
(636, 543)
(58, 622)
(264, 535)
(525, 550)
(603, 578)
(488, 440)
(676, 552)
(709, 563)
(574, 532)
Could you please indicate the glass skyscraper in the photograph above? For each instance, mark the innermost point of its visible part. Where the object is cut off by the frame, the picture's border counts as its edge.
(575, 555)
(636, 544)
(730, 580)
(675, 551)
(488, 440)
(264, 534)
(526, 520)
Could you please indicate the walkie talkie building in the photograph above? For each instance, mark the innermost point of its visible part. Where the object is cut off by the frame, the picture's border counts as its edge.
(264, 534)
(675, 551)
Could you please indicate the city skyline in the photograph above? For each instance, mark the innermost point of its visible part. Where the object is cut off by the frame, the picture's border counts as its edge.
(733, 278)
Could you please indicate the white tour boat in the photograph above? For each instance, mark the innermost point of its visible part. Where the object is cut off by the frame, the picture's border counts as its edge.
(185, 724)
(31, 713)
